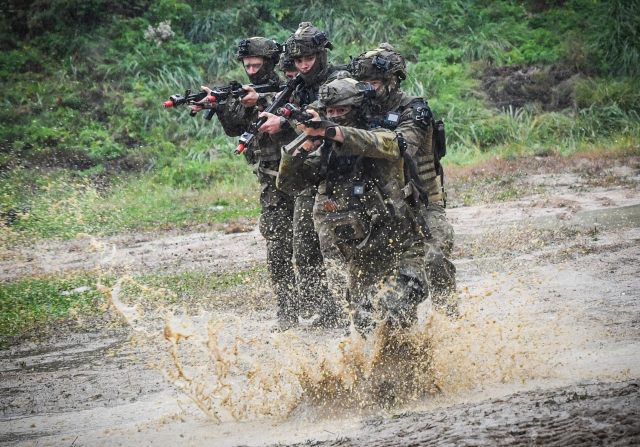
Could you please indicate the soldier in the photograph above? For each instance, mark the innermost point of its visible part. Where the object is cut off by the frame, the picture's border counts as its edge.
(259, 57)
(287, 66)
(384, 69)
(307, 47)
(359, 206)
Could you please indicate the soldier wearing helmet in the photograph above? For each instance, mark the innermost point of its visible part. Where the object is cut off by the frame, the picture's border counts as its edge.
(385, 69)
(287, 66)
(359, 206)
(307, 47)
(259, 57)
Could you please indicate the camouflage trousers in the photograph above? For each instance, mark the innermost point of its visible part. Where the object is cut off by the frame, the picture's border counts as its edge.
(276, 226)
(386, 272)
(312, 282)
(440, 270)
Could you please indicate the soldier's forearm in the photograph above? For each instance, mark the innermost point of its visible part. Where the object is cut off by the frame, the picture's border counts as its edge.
(293, 177)
(368, 143)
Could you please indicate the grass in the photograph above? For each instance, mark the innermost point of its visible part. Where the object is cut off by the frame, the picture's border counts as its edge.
(90, 94)
(58, 205)
(35, 302)
(30, 304)
(143, 205)
(210, 289)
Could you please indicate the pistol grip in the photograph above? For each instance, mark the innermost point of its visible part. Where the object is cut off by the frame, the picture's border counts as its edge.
(209, 114)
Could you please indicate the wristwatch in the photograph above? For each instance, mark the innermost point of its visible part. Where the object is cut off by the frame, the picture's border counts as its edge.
(330, 133)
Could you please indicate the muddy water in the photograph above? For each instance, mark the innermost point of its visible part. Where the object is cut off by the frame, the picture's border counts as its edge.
(565, 325)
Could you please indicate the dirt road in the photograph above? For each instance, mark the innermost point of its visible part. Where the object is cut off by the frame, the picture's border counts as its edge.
(557, 263)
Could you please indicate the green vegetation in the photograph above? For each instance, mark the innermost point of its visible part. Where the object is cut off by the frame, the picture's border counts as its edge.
(64, 205)
(196, 288)
(83, 82)
(34, 302)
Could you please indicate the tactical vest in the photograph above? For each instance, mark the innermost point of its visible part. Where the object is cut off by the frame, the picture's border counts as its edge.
(429, 175)
(356, 200)
(307, 94)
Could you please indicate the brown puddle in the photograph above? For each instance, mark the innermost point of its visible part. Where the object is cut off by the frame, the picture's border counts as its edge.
(234, 370)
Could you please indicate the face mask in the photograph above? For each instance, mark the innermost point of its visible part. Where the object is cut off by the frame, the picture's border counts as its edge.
(387, 93)
(348, 119)
(312, 77)
(263, 75)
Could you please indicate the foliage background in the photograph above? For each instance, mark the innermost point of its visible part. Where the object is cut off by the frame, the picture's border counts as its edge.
(83, 87)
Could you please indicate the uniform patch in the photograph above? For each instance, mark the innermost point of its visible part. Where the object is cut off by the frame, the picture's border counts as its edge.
(333, 206)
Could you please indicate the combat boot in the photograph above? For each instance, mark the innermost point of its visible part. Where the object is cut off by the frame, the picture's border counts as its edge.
(399, 302)
(442, 283)
(287, 312)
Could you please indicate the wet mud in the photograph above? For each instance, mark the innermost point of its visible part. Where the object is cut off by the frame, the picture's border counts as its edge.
(586, 415)
(546, 352)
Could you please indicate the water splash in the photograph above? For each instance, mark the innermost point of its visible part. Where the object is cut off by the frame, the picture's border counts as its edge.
(234, 368)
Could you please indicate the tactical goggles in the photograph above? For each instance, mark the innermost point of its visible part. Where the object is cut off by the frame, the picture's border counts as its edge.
(367, 90)
(319, 38)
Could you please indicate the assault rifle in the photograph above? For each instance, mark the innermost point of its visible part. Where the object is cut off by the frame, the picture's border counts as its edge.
(219, 95)
(247, 138)
(291, 111)
(296, 144)
(298, 114)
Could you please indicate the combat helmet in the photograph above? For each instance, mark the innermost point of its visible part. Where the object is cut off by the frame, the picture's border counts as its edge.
(338, 74)
(286, 63)
(343, 92)
(307, 40)
(259, 47)
(310, 40)
(383, 63)
(267, 49)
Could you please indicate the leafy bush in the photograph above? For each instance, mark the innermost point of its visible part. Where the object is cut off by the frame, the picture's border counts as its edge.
(83, 86)
(624, 93)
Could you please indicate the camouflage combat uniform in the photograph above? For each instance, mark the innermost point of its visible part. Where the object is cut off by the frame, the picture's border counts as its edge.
(415, 123)
(360, 209)
(277, 207)
(312, 283)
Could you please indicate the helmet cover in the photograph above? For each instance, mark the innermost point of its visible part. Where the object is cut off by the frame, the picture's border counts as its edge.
(341, 93)
(307, 40)
(259, 47)
(267, 49)
(381, 63)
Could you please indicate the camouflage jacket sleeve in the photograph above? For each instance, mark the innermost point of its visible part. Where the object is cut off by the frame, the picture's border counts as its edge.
(379, 143)
(298, 172)
(236, 118)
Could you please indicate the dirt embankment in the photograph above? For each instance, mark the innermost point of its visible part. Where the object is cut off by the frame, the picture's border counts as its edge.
(558, 259)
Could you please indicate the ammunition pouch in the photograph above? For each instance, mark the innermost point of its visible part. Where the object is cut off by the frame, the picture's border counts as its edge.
(439, 140)
(347, 225)
(350, 214)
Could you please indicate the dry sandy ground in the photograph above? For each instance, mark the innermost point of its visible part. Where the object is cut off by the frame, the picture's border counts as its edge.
(553, 200)
(89, 389)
